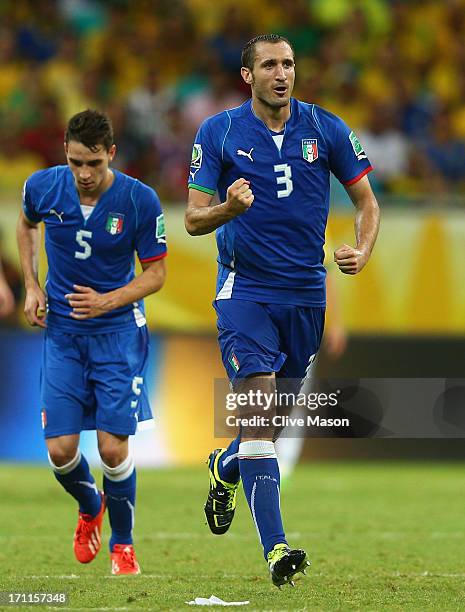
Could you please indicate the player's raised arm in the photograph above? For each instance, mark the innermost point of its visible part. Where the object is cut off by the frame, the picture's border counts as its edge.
(202, 218)
(28, 238)
(349, 259)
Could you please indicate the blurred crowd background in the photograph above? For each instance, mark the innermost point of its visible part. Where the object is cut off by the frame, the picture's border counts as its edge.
(393, 69)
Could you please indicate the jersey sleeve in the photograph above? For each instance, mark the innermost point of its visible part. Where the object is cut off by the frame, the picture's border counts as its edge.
(347, 158)
(29, 208)
(206, 162)
(150, 232)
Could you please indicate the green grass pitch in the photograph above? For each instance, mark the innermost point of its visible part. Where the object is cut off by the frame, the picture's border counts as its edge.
(381, 536)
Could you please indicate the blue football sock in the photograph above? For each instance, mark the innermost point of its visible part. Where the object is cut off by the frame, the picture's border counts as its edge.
(260, 478)
(119, 485)
(228, 464)
(76, 478)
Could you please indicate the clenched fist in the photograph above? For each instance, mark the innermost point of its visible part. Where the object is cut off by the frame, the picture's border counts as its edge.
(239, 197)
(350, 260)
(35, 306)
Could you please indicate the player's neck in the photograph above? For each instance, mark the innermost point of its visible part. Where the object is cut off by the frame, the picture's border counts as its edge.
(274, 118)
(91, 199)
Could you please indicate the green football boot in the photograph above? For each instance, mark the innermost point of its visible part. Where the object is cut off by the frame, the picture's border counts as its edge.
(284, 563)
(221, 501)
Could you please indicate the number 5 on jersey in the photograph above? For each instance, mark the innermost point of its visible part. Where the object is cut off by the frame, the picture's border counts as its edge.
(285, 179)
(81, 235)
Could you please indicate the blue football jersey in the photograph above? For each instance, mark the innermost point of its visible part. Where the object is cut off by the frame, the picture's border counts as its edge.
(97, 252)
(273, 253)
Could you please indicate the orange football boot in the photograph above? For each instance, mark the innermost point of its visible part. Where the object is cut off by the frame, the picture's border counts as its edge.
(123, 560)
(87, 535)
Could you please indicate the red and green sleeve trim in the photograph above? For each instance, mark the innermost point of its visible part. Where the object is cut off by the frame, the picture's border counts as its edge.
(358, 177)
(149, 259)
(200, 188)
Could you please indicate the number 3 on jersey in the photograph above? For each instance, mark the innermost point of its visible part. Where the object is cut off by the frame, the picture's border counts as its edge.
(81, 235)
(285, 179)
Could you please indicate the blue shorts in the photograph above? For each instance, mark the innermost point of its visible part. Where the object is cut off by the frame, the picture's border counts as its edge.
(94, 382)
(257, 338)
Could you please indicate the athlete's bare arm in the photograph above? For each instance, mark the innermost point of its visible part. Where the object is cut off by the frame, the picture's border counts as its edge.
(353, 259)
(28, 238)
(201, 218)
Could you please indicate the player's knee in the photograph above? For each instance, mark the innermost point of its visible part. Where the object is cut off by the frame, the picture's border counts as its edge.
(257, 433)
(62, 449)
(61, 455)
(112, 455)
(113, 449)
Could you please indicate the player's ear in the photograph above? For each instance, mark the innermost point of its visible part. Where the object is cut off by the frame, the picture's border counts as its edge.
(111, 152)
(247, 75)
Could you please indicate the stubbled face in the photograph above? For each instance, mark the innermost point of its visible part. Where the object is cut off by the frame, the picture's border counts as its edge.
(273, 74)
(89, 168)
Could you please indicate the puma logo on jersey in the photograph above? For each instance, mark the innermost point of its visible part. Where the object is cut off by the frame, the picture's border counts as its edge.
(52, 211)
(249, 154)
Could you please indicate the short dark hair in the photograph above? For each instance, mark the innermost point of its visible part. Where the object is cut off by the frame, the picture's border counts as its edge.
(92, 128)
(248, 52)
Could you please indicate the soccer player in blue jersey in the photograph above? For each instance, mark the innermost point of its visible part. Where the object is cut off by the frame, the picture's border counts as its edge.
(270, 161)
(96, 340)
